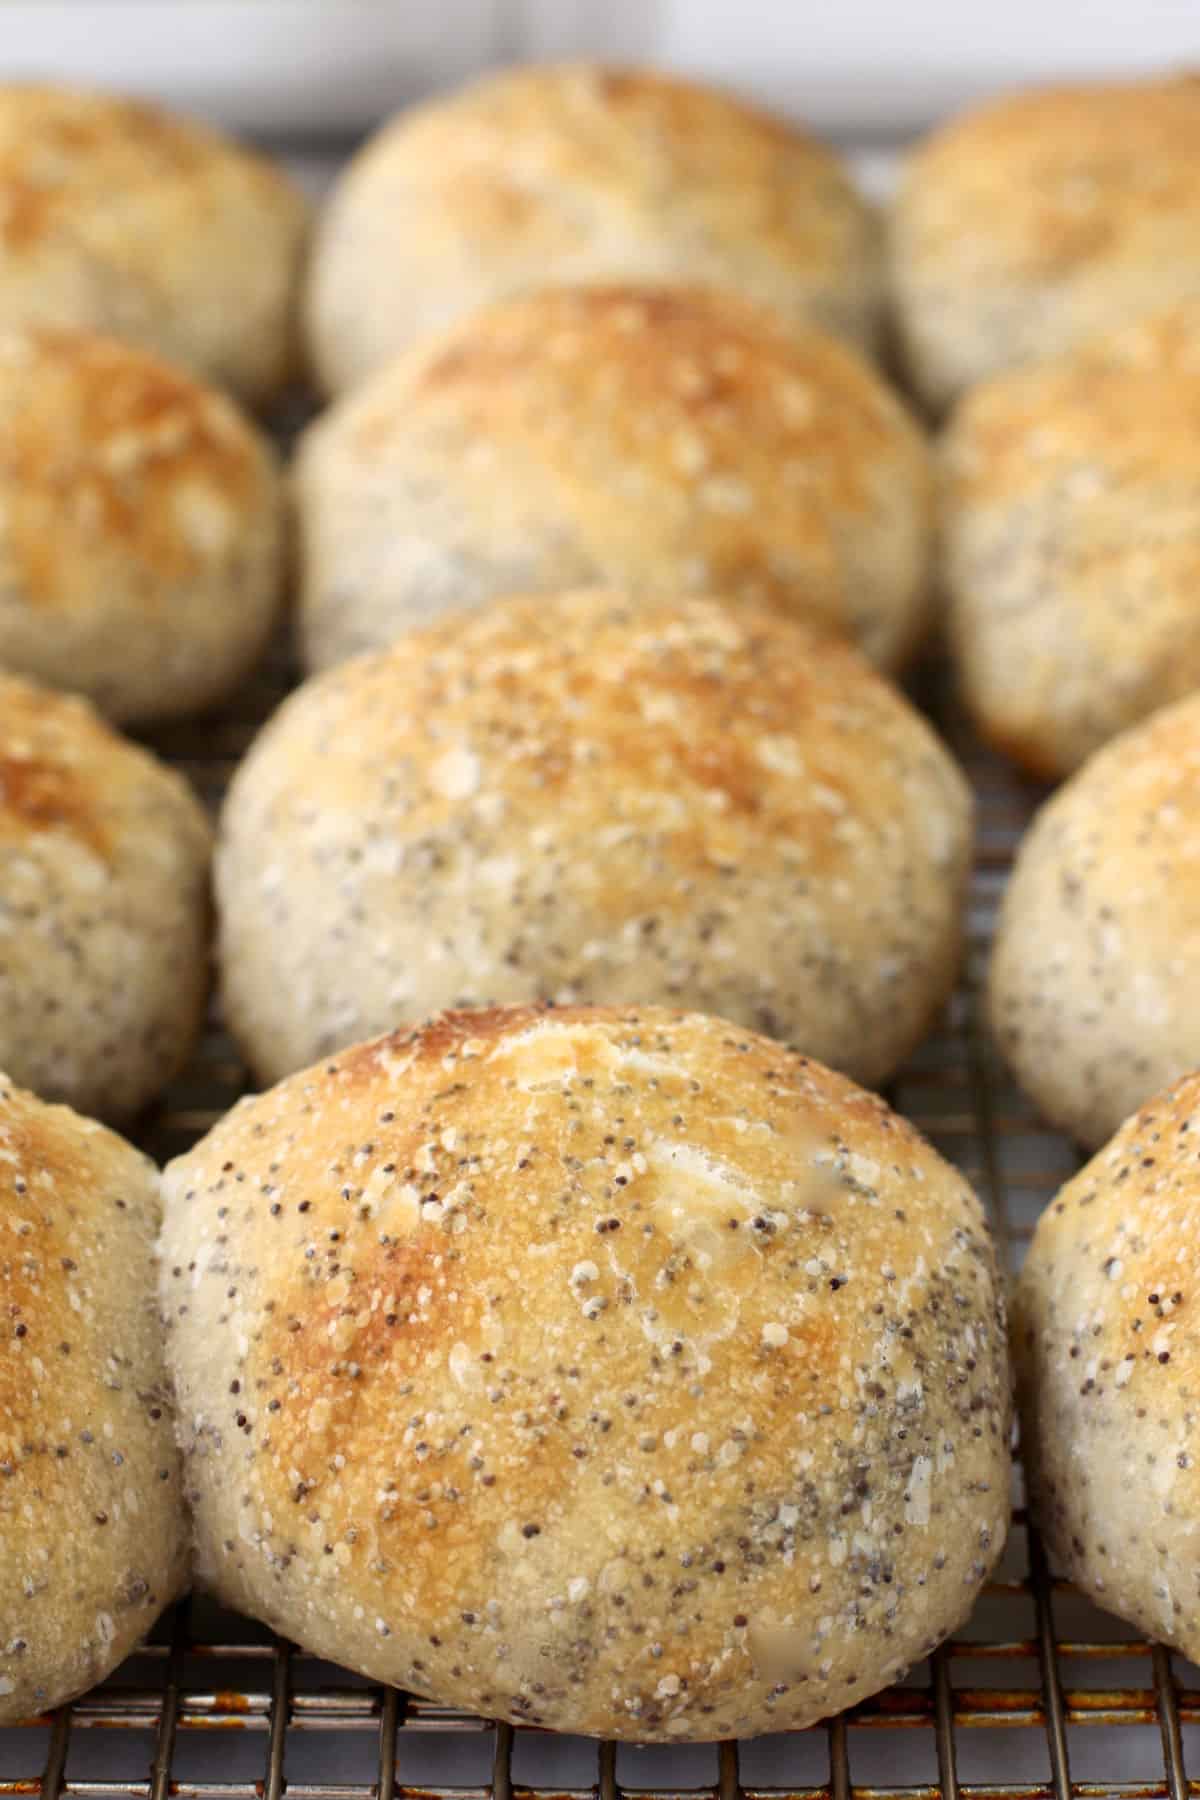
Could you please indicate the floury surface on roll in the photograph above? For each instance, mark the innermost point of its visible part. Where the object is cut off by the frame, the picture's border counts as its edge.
(104, 907)
(1071, 534)
(586, 797)
(1108, 1360)
(1095, 978)
(92, 1535)
(578, 173)
(141, 527)
(118, 218)
(648, 438)
(1029, 224)
(615, 1371)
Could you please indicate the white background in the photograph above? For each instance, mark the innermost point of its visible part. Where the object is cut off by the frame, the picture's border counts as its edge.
(853, 67)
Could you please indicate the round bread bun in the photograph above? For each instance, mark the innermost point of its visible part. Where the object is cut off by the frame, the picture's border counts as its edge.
(1108, 1361)
(1028, 224)
(104, 907)
(614, 1371)
(1071, 530)
(92, 1539)
(1095, 976)
(118, 218)
(141, 527)
(640, 437)
(573, 174)
(587, 798)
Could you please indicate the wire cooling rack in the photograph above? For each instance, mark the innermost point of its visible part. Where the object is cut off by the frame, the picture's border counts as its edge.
(1041, 1695)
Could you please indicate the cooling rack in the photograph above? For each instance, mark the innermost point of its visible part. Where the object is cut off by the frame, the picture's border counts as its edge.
(1040, 1696)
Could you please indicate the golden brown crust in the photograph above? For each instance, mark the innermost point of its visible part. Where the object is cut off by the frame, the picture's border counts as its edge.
(649, 438)
(578, 173)
(104, 872)
(1108, 1359)
(589, 1367)
(91, 1524)
(141, 528)
(200, 259)
(1027, 225)
(1071, 540)
(1095, 977)
(587, 796)
(92, 426)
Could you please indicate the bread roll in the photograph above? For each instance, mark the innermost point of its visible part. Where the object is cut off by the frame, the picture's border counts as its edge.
(615, 1371)
(580, 797)
(647, 438)
(141, 542)
(1072, 541)
(92, 1541)
(103, 907)
(118, 218)
(579, 174)
(1108, 1360)
(1095, 978)
(1028, 224)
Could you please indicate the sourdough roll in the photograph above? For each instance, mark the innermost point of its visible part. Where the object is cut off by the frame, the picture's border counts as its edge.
(1108, 1358)
(118, 218)
(578, 173)
(104, 907)
(647, 438)
(141, 527)
(583, 797)
(615, 1371)
(1095, 976)
(92, 1537)
(1071, 533)
(1032, 222)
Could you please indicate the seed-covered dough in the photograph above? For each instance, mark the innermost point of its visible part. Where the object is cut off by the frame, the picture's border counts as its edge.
(1032, 222)
(104, 909)
(587, 797)
(655, 439)
(141, 527)
(577, 173)
(92, 1533)
(615, 1371)
(1095, 976)
(1108, 1359)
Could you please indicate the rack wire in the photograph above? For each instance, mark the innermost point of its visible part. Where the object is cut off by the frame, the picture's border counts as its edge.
(1040, 1698)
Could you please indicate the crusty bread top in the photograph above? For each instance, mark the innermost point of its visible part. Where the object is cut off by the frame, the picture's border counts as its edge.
(1123, 410)
(118, 216)
(107, 448)
(684, 437)
(70, 158)
(68, 777)
(578, 172)
(620, 1329)
(748, 741)
(1044, 182)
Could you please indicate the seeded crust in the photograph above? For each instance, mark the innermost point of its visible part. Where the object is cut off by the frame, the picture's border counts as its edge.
(141, 527)
(1071, 535)
(92, 1542)
(638, 437)
(580, 797)
(1095, 977)
(104, 903)
(1029, 224)
(615, 1371)
(117, 218)
(573, 174)
(1108, 1361)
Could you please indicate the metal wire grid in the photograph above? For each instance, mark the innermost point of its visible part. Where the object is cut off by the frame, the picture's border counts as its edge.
(1040, 1697)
